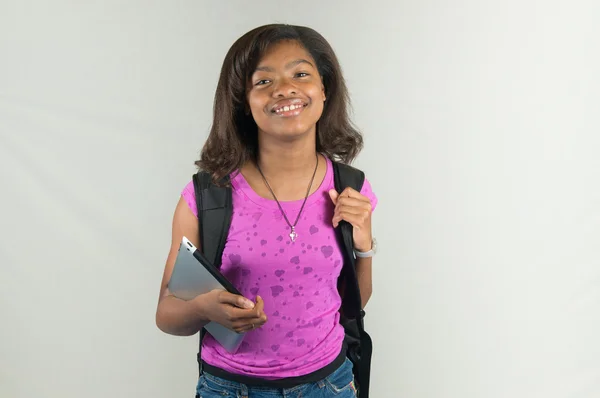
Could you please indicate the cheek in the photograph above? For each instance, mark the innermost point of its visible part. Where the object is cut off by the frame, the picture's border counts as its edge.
(318, 110)
(256, 108)
(253, 103)
(318, 97)
(318, 103)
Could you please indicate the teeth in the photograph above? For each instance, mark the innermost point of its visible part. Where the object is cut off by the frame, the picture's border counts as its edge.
(289, 108)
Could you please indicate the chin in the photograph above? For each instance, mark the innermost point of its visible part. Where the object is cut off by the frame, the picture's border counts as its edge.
(293, 133)
(289, 131)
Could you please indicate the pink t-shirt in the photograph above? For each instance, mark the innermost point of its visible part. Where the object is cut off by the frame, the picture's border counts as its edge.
(297, 281)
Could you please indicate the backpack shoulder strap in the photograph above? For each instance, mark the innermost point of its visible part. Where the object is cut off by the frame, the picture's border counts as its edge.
(214, 215)
(214, 207)
(348, 176)
(360, 347)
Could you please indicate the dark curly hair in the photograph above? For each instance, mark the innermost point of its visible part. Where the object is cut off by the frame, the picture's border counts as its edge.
(233, 137)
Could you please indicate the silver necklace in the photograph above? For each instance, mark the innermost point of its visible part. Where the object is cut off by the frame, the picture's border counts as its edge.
(293, 234)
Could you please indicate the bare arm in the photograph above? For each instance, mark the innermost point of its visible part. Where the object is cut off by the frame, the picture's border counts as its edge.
(364, 276)
(185, 318)
(173, 315)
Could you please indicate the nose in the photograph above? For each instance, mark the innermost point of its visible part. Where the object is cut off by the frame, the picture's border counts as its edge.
(284, 88)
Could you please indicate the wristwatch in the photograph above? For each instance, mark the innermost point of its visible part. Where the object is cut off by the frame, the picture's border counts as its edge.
(369, 253)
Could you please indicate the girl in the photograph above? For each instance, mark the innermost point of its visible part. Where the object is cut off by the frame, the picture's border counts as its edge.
(280, 117)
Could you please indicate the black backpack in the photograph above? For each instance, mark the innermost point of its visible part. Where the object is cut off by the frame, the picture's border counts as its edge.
(214, 218)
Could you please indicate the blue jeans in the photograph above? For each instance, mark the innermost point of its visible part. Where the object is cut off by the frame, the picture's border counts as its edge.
(338, 384)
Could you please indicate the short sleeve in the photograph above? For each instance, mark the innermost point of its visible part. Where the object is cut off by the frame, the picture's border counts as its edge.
(189, 195)
(367, 191)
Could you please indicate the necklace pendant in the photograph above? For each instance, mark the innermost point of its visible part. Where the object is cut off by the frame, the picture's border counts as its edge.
(293, 235)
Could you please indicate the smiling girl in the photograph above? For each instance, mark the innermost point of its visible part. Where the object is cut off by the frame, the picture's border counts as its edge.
(280, 118)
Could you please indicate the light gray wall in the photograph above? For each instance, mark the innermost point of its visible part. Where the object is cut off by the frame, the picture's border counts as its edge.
(482, 141)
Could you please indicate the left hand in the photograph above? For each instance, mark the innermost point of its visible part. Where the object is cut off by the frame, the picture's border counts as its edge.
(354, 208)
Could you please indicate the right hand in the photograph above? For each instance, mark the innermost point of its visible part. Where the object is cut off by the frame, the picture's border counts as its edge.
(232, 311)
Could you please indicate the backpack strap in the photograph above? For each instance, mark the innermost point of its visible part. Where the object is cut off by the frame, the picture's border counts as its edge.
(347, 176)
(360, 345)
(214, 205)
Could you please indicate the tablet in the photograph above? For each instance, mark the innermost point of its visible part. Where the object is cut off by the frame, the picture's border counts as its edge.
(193, 275)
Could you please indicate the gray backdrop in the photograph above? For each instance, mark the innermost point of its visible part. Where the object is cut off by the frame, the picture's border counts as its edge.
(482, 140)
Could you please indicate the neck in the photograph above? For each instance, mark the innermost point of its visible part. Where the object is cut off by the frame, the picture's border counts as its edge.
(288, 160)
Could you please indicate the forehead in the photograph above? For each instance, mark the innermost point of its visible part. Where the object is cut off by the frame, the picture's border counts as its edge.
(281, 53)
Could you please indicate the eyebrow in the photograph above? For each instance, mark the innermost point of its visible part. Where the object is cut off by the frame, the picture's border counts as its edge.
(288, 66)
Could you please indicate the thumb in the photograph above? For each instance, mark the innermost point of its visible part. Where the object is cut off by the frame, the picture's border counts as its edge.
(260, 304)
(334, 196)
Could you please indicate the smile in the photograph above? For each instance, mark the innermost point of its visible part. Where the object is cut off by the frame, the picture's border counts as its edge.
(289, 109)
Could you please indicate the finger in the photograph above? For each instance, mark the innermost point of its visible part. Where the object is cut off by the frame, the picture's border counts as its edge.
(351, 193)
(235, 300)
(352, 201)
(362, 209)
(260, 304)
(260, 307)
(249, 324)
(235, 314)
(333, 195)
(337, 217)
(245, 328)
(242, 314)
(252, 323)
(357, 220)
(358, 213)
(242, 327)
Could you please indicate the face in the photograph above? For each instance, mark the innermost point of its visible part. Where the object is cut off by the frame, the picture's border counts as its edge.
(285, 93)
